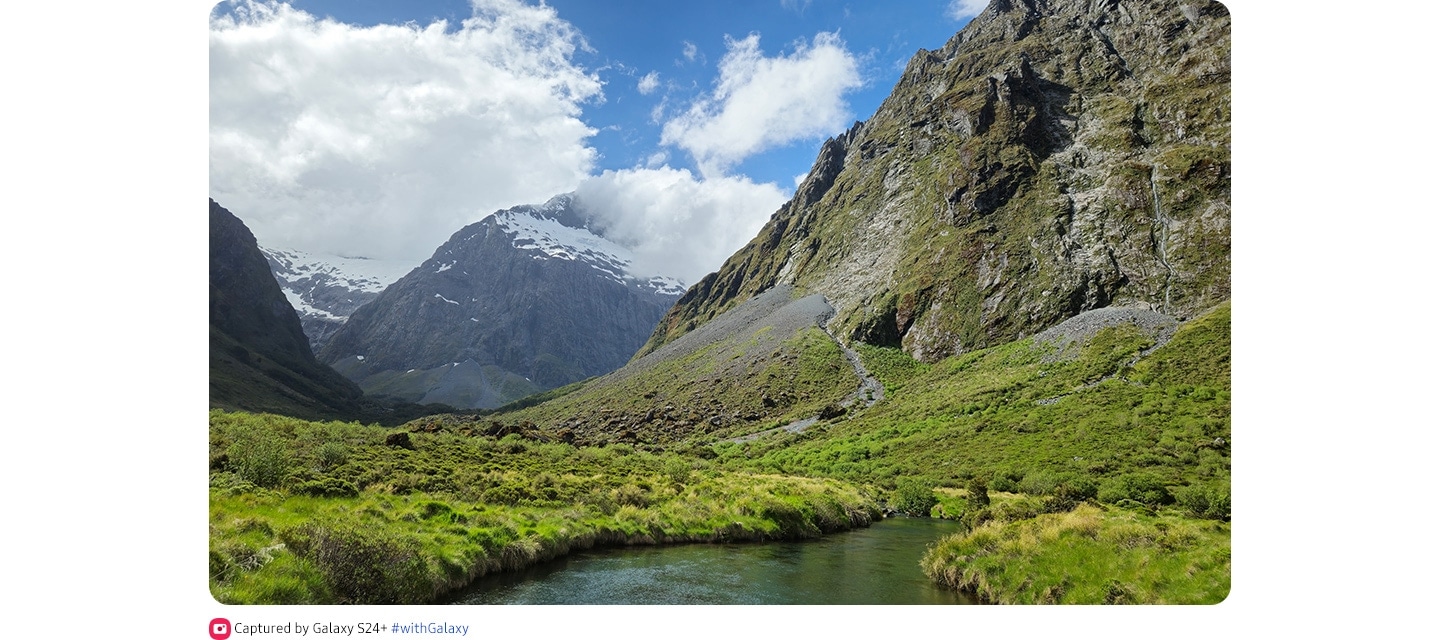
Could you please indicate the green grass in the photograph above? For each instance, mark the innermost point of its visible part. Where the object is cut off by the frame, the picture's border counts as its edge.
(1009, 410)
(1091, 555)
(311, 526)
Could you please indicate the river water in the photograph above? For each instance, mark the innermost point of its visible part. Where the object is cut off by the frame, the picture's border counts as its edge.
(876, 565)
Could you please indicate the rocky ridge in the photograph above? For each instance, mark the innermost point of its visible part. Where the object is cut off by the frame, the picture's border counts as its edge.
(1051, 158)
(260, 359)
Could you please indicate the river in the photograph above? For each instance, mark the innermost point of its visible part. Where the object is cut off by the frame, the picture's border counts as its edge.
(875, 565)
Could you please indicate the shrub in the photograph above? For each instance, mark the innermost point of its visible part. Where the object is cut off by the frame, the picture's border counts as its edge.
(1043, 483)
(1205, 502)
(914, 497)
(978, 496)
(508, 493)
(601, 501)
(1015, 510)
(1004, 484)
(1139, 487)
(328, 488)
(332, 454)
(259, 456)
(1075, 488)
(431, 508)
(363, 566)
(678, 470)
(976, 517)
(631, 495)
(1063, 485)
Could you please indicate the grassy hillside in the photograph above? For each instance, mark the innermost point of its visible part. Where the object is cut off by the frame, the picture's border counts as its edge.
(1022, 414)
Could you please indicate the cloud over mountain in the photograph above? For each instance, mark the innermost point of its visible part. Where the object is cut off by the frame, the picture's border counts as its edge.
(383, 140)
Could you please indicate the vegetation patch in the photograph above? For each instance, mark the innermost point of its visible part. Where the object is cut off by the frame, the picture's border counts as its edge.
(393, 525)
(1091, 555)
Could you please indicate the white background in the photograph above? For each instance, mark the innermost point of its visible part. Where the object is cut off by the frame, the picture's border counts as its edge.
(104, 246)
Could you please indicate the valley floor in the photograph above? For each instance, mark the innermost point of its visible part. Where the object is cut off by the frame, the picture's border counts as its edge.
(1093, 471)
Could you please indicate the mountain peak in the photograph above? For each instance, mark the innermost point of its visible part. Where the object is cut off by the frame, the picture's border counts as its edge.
(529, 294)
(558, 230)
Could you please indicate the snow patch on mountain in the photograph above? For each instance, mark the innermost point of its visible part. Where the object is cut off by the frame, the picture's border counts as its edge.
(325, 288)
(367, 275)
(305, 309)
(536, 229)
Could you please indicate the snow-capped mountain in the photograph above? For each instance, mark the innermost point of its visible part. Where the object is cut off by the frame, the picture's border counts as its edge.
(527, 299)
(555, 230)
(325, 288)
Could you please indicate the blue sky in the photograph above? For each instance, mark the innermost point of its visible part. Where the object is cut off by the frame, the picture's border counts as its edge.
(365, 127)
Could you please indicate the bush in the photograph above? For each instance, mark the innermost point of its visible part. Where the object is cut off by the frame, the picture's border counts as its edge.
(914, 497)
(259, 456)
(631, 495)
(1016, 510)
(363, 566)
(976, 517)
(328, 488)
(1004, 484)
(1205, 502)
(508, 493)
(1075, 488)
(1063, 490)
(332, 454)
(977, 495)
(678, 470)
(1139, 487)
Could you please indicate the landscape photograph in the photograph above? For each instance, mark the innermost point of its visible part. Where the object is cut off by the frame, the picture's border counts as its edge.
(787, 302)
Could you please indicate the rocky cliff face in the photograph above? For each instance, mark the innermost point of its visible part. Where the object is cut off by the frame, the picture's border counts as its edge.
(1051, 158)
(527, 299)
(260, 359)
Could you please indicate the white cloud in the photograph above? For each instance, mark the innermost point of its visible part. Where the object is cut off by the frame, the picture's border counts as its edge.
(677, 225)
(961, 9)
(648, 83)
(760, 103)
(690, 50)
(384, 140)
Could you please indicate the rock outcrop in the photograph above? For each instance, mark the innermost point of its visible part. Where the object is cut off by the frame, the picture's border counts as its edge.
(1051, 158)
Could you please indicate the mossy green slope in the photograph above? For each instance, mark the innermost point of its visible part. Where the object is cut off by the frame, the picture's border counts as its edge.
(1053, 157)
(1119, 406)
